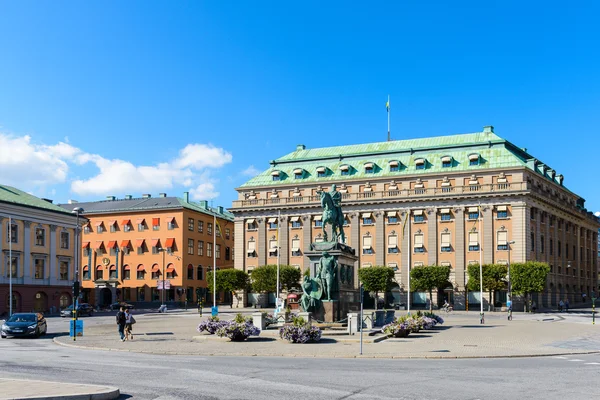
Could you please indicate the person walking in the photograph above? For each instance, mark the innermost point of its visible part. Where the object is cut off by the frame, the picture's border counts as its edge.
(129, 321)
(561, 304)
(567, 305)
(121, 321)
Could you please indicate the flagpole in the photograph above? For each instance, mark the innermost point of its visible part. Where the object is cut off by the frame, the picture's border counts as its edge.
(480, 268)
(10, 293)
(388, 115)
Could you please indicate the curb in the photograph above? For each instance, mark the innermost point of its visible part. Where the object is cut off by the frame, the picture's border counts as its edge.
(432, 357)
(108, 393)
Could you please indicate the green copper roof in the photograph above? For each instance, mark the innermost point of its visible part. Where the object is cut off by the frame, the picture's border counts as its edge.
(493, 151)
(9, 194)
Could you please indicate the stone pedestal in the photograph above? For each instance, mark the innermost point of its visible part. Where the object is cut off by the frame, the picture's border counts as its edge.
(306, 316)
(353, 323)
(331, 311)
(259, 320)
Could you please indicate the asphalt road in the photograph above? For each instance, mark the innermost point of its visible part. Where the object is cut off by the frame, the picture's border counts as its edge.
(144, 376)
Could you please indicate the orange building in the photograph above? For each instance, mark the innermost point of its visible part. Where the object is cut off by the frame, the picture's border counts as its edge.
(122, 245)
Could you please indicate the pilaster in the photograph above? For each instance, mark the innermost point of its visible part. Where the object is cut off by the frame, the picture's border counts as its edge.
(432, 237)
(239, 244)
(262, 242)
(381, 242)
(27, 252)
(488, 235)
(538, 235)
(405, 258)
(52, 262)
(307, 238)
(459, 260)
(520, 225)
(283, 241)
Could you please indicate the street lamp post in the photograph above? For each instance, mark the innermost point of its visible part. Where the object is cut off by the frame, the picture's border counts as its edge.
(77, 211)
(509, 299)
(163, 277)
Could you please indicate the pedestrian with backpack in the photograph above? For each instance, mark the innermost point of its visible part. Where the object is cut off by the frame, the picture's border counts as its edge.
(121, 321)
(129, 321)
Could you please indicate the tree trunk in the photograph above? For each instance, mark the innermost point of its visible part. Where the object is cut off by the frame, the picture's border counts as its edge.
(376, 300)
(430, 301)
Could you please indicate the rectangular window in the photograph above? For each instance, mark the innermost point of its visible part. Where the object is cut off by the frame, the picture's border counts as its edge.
(100, 228)
(171, 225)
(191, 224)
(87, 229)
(155, 275)
(12, 233)
(532, 241)
(446, 217)
(154, 250)
(367, 221)
(199, 273)
(190, 272)
(209, 228)
(200, 248)
(473, 215)
(155, 224)
(86, 274)
(227, 233)
(126, 274)
(502, 214)
(367, 245)
(446, 164)
(394, 168)
(190, 246)
(39, 268)
(275, 178)
(200, 226)
(273, 248)
(112, 274)
(99, 273)
(40, 237)
(63, 271)
(542, 244)
(502, 240)
(419, 247)
(140, 276)
(420, 166)
(369, 170)
(209, 247)
(251, 249)
(296, 224)
(345, 172)
(227, 254)
(251, 226)
(473, 241)
(393, 244)
(321, 174)
(296, 248)
(474, 161)
(445, 243)
(298, 175)
(273, 225)
(64, 240)
(218, 251)
(127, 227)
(419, 218)
(559, 248)
(551, 246)
(113, 227)
(474, 248)
(86, 252)
(141, 227)
(392, 220)
(113, 251)
(318, 223)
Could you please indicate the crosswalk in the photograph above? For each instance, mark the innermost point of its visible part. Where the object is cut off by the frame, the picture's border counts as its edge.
(574, 359)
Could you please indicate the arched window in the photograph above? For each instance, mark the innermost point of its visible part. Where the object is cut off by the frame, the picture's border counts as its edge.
(200, 274)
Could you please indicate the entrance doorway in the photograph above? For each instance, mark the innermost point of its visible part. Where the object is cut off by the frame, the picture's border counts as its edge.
(40, 302)
(446, 294)
(105, 297)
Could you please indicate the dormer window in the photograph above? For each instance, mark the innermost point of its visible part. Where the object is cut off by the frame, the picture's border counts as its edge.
(345, 169)
(298, 173)
(474, 159)
(276, 175)
(251, 224)
(369, 168)
(446, 161)
(420, 163)
(394, 166)
(321, 172)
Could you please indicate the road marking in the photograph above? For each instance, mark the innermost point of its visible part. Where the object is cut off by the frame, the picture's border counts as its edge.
(592, 363)
(576, 359)
(560, 357)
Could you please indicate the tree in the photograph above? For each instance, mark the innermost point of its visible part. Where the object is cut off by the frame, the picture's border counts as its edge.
(229, 280)
(429, 278)
(529, 277)
(264, 278)
(494, 278)
(376, 279)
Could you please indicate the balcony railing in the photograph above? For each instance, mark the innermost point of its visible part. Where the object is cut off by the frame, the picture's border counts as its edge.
(389, 194)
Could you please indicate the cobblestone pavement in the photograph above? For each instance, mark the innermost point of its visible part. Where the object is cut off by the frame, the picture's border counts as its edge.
(460, 337)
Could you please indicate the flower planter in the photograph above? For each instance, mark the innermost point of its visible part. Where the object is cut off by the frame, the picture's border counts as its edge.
(402, 333)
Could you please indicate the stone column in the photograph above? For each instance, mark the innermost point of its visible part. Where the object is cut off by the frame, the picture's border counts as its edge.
(520, 233)
(239, 244)
(459, 260)
(404, 264)
(538, 235)
(579, 260)
(381, 243)
(262, 242)
(3, 257)
(488, 235)
(283, 241)
(355, 235)
(307, 238)
(52, 263)
(27, 252)
(432, 237)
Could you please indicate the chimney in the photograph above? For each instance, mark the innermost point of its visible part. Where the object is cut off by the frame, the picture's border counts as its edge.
(162, 195)
(48, 200)
(73, 202)
(128, 197)
(300, 147)
(186, 197)
(488, 129)
(111, 198)
(220, 208)
(146, 196)
(204, 204)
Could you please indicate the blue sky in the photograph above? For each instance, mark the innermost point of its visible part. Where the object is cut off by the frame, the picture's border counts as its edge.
(113, 98)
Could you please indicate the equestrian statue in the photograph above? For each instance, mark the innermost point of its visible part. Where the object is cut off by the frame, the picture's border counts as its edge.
(332, 214)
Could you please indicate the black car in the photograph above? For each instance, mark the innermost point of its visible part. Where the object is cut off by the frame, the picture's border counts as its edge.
(118, 305)
(82, 309)
(24, 324)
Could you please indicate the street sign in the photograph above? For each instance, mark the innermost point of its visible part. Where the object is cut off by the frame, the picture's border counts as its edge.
(214, 311)
(78, 328)
(159, 284)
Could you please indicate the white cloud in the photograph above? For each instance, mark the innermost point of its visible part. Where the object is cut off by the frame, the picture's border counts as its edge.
(26, 164)
(251, 171)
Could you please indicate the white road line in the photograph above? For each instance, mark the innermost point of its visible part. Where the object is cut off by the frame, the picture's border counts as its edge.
(592, 363)
(560, 357)
(576, 359)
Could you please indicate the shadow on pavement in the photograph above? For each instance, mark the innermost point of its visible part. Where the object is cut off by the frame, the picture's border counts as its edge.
(476, 326)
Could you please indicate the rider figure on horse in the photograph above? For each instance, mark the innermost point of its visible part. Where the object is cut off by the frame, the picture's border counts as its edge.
(332, 213)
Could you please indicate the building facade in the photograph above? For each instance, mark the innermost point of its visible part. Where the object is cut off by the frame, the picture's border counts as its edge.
(38, 241)
(452, 200)
(122, 248)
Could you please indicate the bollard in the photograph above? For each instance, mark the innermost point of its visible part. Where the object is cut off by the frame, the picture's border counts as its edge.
(593, 311)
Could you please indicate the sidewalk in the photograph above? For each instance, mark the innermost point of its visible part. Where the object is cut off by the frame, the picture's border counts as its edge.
(460, 337)
(13, 389)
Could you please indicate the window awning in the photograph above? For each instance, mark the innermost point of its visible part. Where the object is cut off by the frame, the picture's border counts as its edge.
(170, 243)
(502, 238)
(392, 213)
(418, 212)
(321, 169)
(392, 241)
(369, 165)
(445, 240)
(275, 173)
(250, 221)
(367, 189)
(294, 249)
(139, 242)
(272, 220)
(250, 251)
(99, 268)
(446, 159)
(99, 244)
(473, 157)
(113, 268)
(295, 219)
(171, 269)
(155, 242)
(418, 245)
(273, 246)
(156, 268)
(369, 247)
(126, 243)
(475, 243)
(420, 161)
(86, 268)
(140, 268)
(126, 268)
(473, 209)
(344, 167)
(112, 244)
(155, 221)
(140, 220)
(501, 208)
(366, 215)
(318, 217)
(393, 163)
(392, 246)
(445, 264)
(126, 222)
(473, 239)
(111, 223)
(444, 211)
(170, 220)
(418, 240)
(296, 194)
(444, 184)
(98, 223)
(85, 245)
(298, 171)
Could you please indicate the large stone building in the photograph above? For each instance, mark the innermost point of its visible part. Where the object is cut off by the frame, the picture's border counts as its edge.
(451, 200)
(122, 258)
(39, 238)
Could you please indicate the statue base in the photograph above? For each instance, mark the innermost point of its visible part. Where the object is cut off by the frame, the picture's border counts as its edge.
(331, 311)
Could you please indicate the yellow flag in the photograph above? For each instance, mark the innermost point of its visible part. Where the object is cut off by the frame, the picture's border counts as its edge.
(387, 105)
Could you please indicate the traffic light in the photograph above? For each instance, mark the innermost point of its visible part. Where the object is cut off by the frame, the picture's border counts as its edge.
(75, 290)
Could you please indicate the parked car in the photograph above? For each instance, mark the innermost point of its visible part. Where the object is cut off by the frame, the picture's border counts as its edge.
(82, 309)
(24, 324)
(118, 305)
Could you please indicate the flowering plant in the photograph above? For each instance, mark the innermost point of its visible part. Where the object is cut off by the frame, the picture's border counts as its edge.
(397, 329)
(300, 332)
(210, 325)
(239, 329)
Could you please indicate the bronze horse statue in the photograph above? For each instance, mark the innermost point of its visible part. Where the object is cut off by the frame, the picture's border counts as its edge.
(333, 216)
